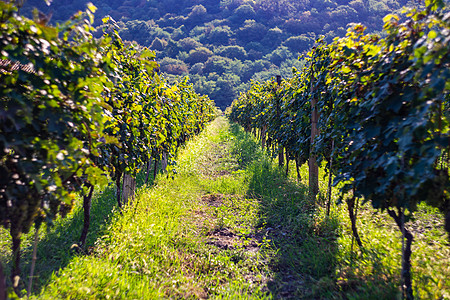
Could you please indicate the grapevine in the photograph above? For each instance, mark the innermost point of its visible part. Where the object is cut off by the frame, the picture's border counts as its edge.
(381, 117)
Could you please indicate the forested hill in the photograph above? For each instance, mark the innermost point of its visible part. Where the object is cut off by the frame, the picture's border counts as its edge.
(222, 45)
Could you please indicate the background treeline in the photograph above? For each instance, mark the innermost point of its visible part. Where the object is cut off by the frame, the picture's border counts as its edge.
(222, 45)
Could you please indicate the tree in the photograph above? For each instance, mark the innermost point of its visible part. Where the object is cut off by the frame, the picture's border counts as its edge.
(217, 64)
(273, 37)
(344, 14)
(173, 66)
(197, 69)
(197, 55)
(196, 16)
(158, 44)
(219, 35)
(189, 43)
(137, 30)
(237, 52)
(251, 31)
(242, 13)
(279, 55)
(298, 44)
(304, 23)
(198, 11)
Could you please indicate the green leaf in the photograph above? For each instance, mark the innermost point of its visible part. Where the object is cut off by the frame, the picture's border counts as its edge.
(390, 17)
(91, 7)
(432, 34)
(346, 70)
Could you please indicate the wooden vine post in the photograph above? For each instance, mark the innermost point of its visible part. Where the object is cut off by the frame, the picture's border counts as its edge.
(263, 136)
(149, 165)
(278, 107)
(87, 203)
(128, 188)
(164, 162)
(312, 163)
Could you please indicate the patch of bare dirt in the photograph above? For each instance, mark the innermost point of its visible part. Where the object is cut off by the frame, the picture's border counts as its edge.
(223, 239)
(220, 173)
(215, 200)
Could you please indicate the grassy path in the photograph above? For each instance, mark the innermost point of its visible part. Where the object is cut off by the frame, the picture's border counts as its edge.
(229, 225)
(226, 226)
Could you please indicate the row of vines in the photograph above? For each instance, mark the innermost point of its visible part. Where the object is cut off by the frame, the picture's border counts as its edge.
(374, 109)
(76, 112)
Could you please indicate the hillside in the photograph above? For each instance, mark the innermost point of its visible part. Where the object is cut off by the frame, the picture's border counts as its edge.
(222, 45)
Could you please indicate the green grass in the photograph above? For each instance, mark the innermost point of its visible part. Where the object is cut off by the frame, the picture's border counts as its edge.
(230, 225)
(376, 268)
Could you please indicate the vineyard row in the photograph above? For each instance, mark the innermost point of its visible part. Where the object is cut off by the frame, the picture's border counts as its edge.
(76, 112)
(373, 108)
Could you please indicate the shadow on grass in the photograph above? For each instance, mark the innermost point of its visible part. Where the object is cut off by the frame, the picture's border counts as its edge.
(56, 249)
(306, 242)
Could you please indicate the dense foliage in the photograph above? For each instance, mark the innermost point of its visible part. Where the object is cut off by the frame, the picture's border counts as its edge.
(382, 114)
(75, 109)
(224, 44)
